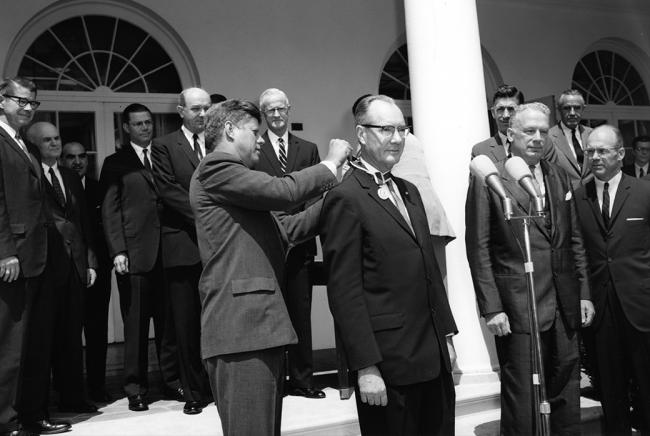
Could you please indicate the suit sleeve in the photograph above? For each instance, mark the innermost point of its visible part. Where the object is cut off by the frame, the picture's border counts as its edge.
(173, 195)
(112, 210)
(478, 216)
(301, 226)
(233, 183)
(7, 243)
(342, 236)
(577, 245)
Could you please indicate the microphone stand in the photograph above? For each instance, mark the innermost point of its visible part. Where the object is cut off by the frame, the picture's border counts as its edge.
(542, 406)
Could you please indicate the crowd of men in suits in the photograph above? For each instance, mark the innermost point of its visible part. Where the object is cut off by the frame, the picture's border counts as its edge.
(210, 231)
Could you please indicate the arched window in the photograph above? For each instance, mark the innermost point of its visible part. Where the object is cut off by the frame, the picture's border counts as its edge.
(87, 52)
(612, 77)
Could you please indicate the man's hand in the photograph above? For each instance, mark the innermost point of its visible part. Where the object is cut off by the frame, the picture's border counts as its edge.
(121, 263)
(339, 151)
(9, 268)
(498, 323)
(587, 311)
(371, 387)
(452, 350)
(91, 276)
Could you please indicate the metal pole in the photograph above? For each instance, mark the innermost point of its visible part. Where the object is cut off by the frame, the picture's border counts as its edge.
(542, 407)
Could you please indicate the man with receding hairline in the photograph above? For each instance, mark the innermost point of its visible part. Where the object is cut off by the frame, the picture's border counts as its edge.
(614, 212)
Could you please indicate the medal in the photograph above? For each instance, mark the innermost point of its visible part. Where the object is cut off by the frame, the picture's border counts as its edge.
(383, 192)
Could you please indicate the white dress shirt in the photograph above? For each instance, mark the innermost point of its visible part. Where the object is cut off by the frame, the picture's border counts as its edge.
(538, 175)
(273, 138)
(190, 138)
(644, 168)
(504, 141)
(138, 150)
(613, 187)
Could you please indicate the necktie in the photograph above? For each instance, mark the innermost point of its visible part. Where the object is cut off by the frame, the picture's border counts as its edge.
(147, 164)
(605, 209)
(397, 200)
(57, 187)
(197, 146)
(282, 155)
(580, 157)
(641, 173)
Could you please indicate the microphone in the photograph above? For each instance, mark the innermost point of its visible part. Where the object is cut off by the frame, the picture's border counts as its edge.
(483, 168)
(518, 170)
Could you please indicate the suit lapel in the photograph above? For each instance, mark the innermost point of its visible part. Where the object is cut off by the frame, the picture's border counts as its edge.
(269, 154)
(621, 196)
(586, 163)
(14, 145)
(134, 162)
(187, 148)
(498, 149)
(415, 213)
(294, 149)
(561, 140)
(366, 181)
(592, 199)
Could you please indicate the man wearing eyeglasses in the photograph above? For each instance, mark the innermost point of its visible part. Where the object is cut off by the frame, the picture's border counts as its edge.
(384, 287)
(282, 153)
(131, 218)
(560, 276)
(175, 157)
(614, 211)
(568, 137)
(641, 152)
(23, 242)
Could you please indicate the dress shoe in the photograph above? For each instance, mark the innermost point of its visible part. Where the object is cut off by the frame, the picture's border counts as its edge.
(45, 426)
(194, 407)
(100, 396)
(174, 394)
(306, 392)
(80, 406)
(137, 403)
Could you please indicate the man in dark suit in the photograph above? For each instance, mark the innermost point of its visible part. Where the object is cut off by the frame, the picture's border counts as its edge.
(131, 218)
(560, 276)
(568, 138)
(283, 152)
(385, 288)
(614, 210)
(244, 321)
(53, 342)
(175, 157)
(97, 298)
(23, 243)
(641, 152)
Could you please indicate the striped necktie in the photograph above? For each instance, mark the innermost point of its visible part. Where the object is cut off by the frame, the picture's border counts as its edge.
(197, 147)
(282, 155)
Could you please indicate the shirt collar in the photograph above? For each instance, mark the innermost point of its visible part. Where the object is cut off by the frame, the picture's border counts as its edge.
(190, 136)
(274, 138)
(139, 148)
(613, 182)
(10, 130)
(47, 167)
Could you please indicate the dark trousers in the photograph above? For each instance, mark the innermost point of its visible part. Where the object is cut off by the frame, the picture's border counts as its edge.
(247, 389)
(426, 408)
(141, 298)
(562, 370)
(53, 344)
(622, 353)
(96, 301)
(183, 299)
(298, 296)
(15, 304)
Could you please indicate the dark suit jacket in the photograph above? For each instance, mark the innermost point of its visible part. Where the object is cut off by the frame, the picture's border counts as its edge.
(384, 287)
(630, 170)
(301, 154)
(22, 208)
(621, 252)
(243, 249)
(497, 263)
(94, 199)
(131, 210)
(72, 223)
(174, 162)
(491, 147)
(565, 158)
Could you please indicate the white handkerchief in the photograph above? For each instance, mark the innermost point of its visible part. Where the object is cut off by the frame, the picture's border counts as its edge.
(633, 219)
(568, 196)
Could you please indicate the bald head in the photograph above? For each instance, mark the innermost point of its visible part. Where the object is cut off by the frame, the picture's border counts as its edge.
(606, 152)
(193, 103)
(45, 136)
(74, 156)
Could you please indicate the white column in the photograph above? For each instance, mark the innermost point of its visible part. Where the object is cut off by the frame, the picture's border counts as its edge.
(449, 116)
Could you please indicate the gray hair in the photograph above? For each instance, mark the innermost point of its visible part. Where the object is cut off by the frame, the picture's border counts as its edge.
(534, 106)
(361, 110)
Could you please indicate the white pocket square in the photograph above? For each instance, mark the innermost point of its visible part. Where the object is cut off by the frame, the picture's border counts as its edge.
(568, 196)
(634, 219)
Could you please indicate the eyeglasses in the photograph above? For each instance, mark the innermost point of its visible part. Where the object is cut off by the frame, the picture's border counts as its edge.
(22, 102)
(282, 110)
(389, 131)
(568, 107)
(602, 151)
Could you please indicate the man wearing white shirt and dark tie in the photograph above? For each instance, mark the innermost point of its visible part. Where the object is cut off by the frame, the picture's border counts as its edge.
(175, 157)
(641, 153)
(614, 212)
